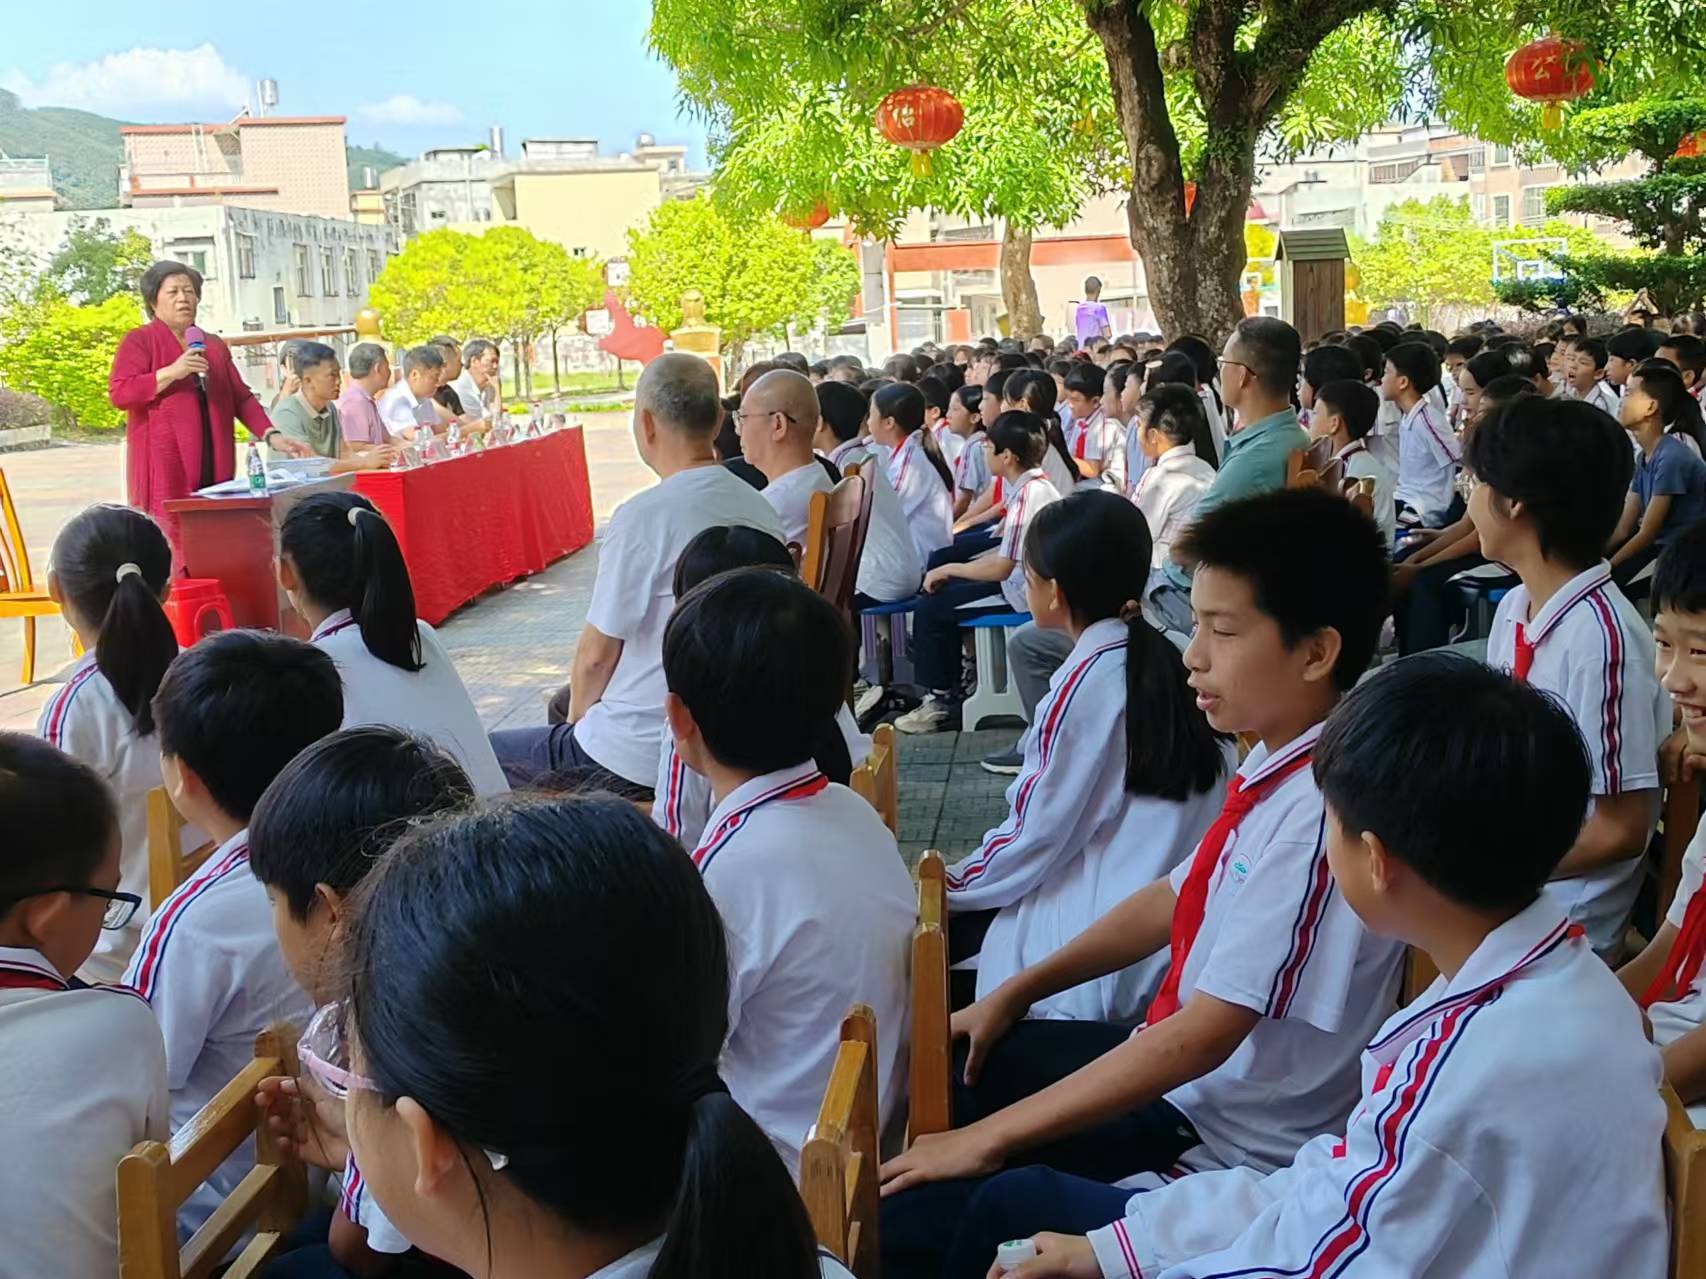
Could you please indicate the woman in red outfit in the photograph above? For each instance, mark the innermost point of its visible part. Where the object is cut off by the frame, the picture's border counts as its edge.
(180, 403)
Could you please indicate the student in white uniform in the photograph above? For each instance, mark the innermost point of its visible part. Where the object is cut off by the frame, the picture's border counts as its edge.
(1344, 413)
(1428, 453)
(321, 826)
(1173, 436)
(683, 801)
(841, 424)
(1090, 437)
(1114, 424)
(1587, 383)
(890, 567)
(1205, 363)
(1088, 825)
(1666, 977)
(991, 582)
(643, 1167)
(1463, 1158)
(971, 470)
(111, 566)
(1250, 1046)
(938, 399)
(615, 719)
(776, 422)
(1033, 390)
(232, 712)
(809, 883)
(1567, 629)
(920, 476)
(341, 567)
(68, 1111)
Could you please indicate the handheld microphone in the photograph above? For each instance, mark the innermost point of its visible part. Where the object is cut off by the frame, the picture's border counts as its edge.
(196, 340)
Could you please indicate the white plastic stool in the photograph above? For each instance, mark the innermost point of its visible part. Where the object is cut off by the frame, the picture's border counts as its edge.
(996, 696)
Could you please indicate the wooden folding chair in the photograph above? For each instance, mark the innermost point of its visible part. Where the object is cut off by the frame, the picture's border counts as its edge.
(836, 525)
(1681, 820)
(1685, 1188)
(1419, 974)
(875, 781)
(840, 1160)
(155, 1178)
(1361, 495)
(20, 595)
(1331, 475)
(168, 864)
(1303, 466)
(930, 1085)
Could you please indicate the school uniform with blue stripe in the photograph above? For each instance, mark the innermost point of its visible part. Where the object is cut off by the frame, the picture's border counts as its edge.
(1509, 1125)
(1075, 843)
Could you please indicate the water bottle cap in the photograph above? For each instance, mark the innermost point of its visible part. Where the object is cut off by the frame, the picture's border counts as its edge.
(1014, 1253)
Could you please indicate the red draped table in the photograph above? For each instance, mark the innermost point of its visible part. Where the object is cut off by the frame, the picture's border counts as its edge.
(477, 521)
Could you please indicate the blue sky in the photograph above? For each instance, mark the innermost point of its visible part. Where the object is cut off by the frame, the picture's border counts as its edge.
(407, 76)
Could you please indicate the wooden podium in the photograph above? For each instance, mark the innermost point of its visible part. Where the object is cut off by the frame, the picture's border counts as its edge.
(235, 540)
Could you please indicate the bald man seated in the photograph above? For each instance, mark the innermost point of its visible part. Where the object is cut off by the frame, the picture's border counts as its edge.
(777, 421)
(615, 725)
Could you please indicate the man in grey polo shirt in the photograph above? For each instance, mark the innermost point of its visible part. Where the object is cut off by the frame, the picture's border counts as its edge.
(310, 413)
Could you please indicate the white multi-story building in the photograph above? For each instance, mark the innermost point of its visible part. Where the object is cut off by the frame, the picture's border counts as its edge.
(264, 272)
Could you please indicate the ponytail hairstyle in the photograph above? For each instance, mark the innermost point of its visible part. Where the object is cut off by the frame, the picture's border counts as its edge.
(1176, 411)
(1205, 360)
(1095, 546)
(1678, 408)
(763, 663)
(1034, 389)
(722, 548)
(113, 566)
(971, 399)
(903, 404)
(624, 1031)
(346, 556)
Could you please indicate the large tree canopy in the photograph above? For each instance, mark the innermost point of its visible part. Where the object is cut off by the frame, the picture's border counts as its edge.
(1063, 97)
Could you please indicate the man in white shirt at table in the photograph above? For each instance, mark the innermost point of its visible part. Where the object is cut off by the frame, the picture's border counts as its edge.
(615, 725)
(408, 406)
(477, 384)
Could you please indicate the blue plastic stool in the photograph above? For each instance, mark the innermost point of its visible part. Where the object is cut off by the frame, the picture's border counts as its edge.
(893, 620)
(995, 696)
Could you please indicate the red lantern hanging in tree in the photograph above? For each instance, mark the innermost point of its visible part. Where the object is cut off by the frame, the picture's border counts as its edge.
(1692, 145)
(920, 118)
(1551, 70)
(1190, 197)
(810, 221)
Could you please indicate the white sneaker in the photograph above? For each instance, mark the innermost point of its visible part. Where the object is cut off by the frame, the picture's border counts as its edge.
(930, 716)
(866, 700)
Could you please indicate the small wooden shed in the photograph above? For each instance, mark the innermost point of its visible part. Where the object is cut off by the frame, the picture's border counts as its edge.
(1312, 279)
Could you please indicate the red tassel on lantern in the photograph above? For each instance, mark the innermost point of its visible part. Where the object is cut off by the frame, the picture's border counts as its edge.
(1551, 70)
(1190, 197)
(920, 118)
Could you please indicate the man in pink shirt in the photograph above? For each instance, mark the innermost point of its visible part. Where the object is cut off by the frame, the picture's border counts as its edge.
(369, 374)
(1091, 321)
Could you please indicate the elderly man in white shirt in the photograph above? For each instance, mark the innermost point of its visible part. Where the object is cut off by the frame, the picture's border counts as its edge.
(477, 384)
(777, 418)
(408, 406)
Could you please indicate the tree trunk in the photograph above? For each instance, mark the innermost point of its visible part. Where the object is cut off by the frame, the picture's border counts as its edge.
(556, 373)
(515, 364)
(1018, 286)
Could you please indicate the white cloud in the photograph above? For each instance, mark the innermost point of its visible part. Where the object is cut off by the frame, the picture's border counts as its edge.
(136, 83)
(406, 108)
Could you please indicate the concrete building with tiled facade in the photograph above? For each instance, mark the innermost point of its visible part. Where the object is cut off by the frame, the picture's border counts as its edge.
(285, 164)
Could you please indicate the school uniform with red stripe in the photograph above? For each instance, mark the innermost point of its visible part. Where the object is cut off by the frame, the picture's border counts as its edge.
(1589, 647)
(1509, 1125)
(819, 911)
(86, 720)
(1428, 455)
(1075, 842)
(360, 1208)
(928, 505)
(84, 1081)
(209, 965)
(1031, 492)
(1678, 1006)
(1276, 937)
(682, 798)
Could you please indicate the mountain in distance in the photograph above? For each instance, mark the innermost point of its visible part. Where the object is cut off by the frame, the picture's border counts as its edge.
(85, 150)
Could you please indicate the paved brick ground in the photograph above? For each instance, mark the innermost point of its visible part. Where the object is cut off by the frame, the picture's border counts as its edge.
(512, 646)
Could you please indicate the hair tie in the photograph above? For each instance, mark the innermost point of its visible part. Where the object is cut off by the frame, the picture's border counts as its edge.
(126, 570)
(356, 511)
(702, 1083)
(1130, 611)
